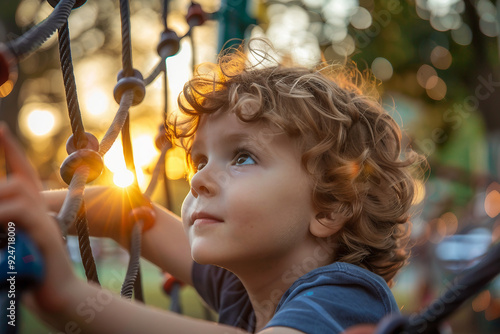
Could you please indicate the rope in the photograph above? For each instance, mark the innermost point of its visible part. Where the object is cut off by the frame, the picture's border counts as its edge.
(159, 68)
(135, 250)
(74, 198)
(164, 13)
(128, 69)
(463, 287)
(70, 87)
(193, 52)
(117, 123)
(73, 203)
(138, 293)
(165, 117)
(160, 165)
(128, 153)
(82, 229)
(37, 35)
(133, 265)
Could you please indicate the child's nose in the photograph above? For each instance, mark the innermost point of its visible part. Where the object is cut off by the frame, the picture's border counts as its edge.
(203, 183)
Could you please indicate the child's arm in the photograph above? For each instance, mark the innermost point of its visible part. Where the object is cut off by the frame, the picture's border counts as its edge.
(95, 311)
(165, 244)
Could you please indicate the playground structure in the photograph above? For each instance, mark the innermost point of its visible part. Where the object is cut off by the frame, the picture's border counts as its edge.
(85, 160)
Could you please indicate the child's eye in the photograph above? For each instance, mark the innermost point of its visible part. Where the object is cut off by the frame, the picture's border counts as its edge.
(244, 159)
(199, 163)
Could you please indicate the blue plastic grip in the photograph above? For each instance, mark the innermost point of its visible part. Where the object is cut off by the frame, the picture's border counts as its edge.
(21, 267)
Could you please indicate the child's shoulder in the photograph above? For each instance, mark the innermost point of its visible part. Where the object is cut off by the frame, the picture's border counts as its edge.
(332, 298)
(341, 279)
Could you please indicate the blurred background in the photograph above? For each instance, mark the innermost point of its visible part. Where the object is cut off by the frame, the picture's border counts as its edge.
(436, 62)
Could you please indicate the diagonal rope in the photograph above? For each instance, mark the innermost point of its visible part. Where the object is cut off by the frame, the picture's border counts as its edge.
(159, 68)
(36, 36)
(117, 123)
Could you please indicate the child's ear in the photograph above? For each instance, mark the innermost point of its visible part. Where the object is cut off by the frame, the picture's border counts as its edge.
(326, 224)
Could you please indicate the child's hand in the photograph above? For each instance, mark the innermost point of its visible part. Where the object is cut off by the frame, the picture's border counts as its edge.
(22, 203)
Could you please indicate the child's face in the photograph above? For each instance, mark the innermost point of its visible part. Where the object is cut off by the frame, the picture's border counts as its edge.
(250, 199)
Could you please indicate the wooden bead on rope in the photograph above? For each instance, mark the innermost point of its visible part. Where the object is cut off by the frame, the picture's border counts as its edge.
(169, 281)
(8, 71)
(135, 83)
(92, 143)
(81, 157)
(77, 4)
(146, 214)
(169, 44)
(195, 15)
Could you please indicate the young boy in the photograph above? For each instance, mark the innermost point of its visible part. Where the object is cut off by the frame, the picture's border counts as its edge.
(296, 220)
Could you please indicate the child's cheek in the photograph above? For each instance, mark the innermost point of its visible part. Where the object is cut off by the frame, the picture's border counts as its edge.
(187, 209)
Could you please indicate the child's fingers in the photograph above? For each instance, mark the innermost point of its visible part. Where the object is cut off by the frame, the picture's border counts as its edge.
(16, 159)
(16, 187)
(23, 207)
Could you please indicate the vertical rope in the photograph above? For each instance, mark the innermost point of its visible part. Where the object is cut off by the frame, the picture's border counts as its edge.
(164, 13)
(133, 264)
(82, 229)
(138, 293)
(128, 69)
(165, 117)
(75, 115)
(128, 153)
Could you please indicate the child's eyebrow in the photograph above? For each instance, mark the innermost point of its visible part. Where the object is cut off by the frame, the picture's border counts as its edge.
(234, 138)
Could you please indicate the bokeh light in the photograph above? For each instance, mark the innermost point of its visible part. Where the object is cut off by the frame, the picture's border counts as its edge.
(175, 163)
(441, 57)
(123, 178)
(424, 74)
(361, 19)
(39, 120)
(96, 102)
(482, 301)
(382, 68)
(462, 35)
(436, 89)
(145, 151)
(492, 200)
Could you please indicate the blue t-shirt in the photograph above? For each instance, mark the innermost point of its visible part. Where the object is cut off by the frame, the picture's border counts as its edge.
(326, 300)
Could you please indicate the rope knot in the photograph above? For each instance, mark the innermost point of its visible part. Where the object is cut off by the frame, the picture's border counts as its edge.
(169, 44)
(83, 157)
(135, 83)
(146, 214)
(77, 4)
(73, 145)
(195, 16)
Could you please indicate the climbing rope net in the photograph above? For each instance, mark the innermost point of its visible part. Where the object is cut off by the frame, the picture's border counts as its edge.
(84, 162)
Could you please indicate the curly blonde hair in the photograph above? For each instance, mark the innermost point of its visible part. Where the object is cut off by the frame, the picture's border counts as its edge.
(351, 147)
